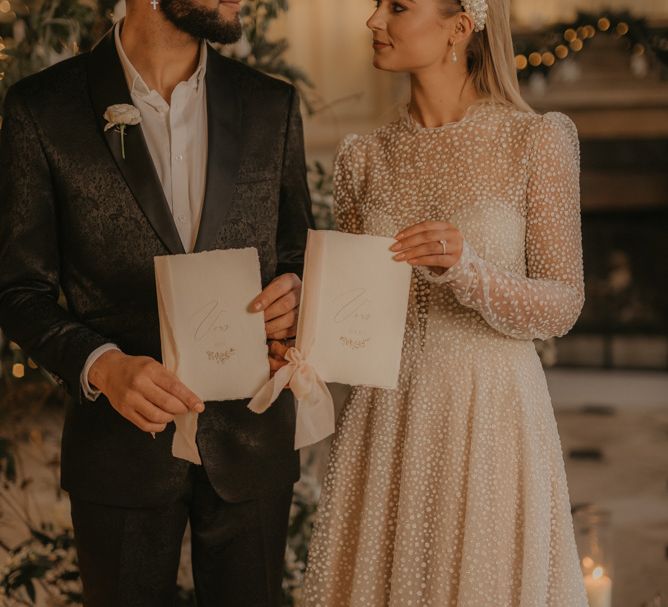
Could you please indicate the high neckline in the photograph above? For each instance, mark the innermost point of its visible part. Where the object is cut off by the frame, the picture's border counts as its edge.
(414, 126)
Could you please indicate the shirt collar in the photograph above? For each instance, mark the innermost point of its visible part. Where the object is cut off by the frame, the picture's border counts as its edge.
(136, 83)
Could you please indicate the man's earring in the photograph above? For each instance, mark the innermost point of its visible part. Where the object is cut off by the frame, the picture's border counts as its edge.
(154, 4)
(454, 54)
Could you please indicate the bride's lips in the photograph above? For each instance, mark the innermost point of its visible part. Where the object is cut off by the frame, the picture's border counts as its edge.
(378, 45)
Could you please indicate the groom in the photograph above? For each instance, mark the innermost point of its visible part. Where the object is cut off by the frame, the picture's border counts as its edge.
(217, 162)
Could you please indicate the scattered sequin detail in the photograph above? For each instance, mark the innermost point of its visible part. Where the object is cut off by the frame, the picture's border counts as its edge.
(451, 490)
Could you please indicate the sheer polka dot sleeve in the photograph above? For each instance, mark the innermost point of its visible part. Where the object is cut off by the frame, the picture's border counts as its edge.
(546, 301)
(346, 165)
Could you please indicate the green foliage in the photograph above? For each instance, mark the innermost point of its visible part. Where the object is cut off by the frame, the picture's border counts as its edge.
(261, 51)
(42, 34)
(46, 31)
(47, 559)
(7, 460)
(320, 184)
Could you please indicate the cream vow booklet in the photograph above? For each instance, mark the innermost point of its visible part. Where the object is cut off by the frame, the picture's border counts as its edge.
(210, 339)
(352, 318)
(353, 308)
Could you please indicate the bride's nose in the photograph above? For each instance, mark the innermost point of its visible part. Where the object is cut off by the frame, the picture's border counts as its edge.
(376, 22)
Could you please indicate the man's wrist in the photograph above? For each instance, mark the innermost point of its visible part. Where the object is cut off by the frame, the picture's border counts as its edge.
(99, 371)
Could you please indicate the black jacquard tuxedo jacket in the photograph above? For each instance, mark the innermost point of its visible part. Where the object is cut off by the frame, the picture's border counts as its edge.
(75, 215)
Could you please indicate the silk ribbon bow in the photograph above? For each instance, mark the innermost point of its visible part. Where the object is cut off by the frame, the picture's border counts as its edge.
(315, 407)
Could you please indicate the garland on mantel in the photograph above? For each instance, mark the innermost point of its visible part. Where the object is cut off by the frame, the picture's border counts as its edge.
(538, 53)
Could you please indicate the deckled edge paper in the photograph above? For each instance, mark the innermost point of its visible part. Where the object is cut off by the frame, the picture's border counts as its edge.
(389, 282)
(184, 445)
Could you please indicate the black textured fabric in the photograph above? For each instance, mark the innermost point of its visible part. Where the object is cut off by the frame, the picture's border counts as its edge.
(129, 557)
(75, 215)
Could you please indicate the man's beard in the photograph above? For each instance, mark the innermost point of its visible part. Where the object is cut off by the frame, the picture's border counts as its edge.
(201, 22)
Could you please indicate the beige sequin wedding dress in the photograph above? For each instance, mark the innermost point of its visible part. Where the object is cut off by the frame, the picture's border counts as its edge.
(451, 490)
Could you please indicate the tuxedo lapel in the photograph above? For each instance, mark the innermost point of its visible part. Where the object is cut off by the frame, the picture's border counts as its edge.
(224, 141)
(108, 87)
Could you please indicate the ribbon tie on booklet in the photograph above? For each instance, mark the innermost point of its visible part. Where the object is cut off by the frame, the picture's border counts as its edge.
(315, 407)
(352, 316)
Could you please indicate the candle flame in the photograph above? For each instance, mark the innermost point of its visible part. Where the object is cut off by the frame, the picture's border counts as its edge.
(588, 562)
(597, 573)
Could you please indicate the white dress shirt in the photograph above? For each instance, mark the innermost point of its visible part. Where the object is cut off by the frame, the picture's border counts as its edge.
(177, 139)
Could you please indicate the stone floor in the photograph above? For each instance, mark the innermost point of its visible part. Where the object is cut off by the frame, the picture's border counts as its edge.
(625, 417)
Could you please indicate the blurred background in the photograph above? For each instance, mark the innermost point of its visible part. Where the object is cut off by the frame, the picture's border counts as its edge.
(605, 64)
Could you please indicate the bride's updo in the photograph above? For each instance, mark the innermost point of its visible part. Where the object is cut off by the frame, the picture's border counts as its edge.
(490, 55)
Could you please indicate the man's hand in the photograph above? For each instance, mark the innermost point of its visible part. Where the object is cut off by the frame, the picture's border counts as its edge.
(280, 302)
(142, 390)
(277, 352)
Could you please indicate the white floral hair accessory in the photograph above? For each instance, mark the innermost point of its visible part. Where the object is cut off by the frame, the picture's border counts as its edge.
(477, 9)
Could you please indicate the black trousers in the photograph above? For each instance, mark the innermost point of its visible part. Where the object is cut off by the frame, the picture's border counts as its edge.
(129, 557)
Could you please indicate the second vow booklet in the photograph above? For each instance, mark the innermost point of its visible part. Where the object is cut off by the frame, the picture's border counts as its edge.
(353, 308)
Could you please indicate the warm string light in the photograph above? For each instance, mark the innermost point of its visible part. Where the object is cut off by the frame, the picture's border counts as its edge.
(574, 42)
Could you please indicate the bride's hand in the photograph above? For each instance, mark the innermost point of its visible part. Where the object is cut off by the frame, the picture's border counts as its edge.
(435, 244)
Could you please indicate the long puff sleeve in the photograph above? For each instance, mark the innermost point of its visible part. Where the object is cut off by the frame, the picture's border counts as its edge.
(346, 212)
(548, 300)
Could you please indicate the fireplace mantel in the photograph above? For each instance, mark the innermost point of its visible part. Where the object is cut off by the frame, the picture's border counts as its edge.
(600, 90)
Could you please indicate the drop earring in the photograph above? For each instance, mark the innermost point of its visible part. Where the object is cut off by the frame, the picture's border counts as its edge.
(454, 54)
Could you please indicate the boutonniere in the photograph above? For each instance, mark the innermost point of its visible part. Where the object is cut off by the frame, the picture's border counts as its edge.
(121, 116)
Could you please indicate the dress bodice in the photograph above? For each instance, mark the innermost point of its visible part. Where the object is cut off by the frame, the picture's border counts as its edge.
(508, 179)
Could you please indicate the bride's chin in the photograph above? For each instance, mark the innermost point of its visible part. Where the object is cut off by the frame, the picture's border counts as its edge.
(384, 65)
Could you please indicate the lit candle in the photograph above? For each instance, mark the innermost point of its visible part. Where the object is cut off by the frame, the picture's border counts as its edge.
(599, 588)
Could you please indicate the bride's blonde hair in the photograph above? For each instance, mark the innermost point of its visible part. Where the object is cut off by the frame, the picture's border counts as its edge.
(490, 55)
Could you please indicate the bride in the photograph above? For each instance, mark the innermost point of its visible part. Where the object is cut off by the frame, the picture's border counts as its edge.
(451, 490)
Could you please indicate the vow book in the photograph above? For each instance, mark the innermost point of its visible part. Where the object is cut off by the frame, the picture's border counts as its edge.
(352, 318)
(210, 339)
(353, 308)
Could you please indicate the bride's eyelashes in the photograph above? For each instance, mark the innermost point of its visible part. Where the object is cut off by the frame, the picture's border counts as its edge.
(395, 7)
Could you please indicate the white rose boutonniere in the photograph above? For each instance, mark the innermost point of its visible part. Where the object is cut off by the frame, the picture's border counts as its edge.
(121, 116)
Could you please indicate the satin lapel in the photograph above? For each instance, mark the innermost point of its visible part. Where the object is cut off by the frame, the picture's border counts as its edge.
(224, 141)
(107, 87)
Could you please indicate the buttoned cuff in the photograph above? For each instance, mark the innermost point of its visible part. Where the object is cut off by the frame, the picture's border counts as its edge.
(88, 391)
